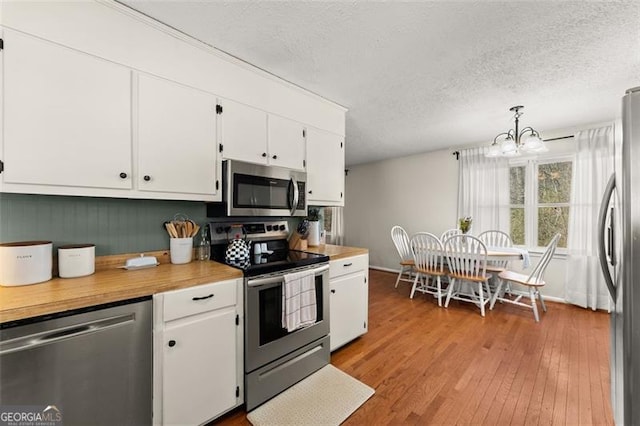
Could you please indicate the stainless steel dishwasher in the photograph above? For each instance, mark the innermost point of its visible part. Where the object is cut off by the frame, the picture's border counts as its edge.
(92, 364)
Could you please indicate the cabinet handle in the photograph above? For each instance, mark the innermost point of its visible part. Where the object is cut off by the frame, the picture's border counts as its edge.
(275, 157)
(264, 154)
(203, 297)
(346, 265)
(310, 192)
(123, 175)
(147, 178)
(172, 343)
(333, 291)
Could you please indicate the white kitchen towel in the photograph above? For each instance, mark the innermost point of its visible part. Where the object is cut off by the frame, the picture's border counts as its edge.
(526, 260)
(299, 307)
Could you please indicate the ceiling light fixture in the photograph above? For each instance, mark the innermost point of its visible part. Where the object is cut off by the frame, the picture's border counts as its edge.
(515, 141)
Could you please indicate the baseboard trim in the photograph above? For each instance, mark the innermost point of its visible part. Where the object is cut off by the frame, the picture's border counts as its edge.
(381, 268)
(395, 271)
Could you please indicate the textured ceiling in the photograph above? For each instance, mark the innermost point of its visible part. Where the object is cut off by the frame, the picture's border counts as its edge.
(419, 76)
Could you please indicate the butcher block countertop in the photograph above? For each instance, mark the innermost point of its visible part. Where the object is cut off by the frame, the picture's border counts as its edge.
(111, 283)
(108, 284)
(337, 252)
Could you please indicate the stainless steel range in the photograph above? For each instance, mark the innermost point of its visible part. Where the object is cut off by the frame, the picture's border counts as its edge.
(275, 358)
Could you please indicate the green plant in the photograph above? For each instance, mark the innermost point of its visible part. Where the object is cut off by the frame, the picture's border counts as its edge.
(465, 224)
(314, 215)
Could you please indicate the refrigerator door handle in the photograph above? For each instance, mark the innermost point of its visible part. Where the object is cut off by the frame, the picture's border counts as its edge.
(602, 219)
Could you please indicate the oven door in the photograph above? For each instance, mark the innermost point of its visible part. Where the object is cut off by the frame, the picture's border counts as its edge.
(255, 190)
(265, 338)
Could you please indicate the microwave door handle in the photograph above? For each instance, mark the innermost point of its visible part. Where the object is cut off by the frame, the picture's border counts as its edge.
(296, 196)
(602, 219)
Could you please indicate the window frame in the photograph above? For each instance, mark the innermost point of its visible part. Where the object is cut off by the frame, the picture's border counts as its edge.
(531, 205)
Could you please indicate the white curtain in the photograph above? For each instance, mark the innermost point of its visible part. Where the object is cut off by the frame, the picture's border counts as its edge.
(585, 285)
(337, 226)
(483, 191)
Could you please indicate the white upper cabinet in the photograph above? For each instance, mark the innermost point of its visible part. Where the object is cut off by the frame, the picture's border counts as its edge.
(325, 168)
(67, 116)
(243, 132)
(177, 149)
(251, 135)
(286, 146)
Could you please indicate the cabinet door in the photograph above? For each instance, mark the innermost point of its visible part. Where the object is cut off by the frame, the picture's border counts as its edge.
(199, 377)
(325, 168)
(243, 132)
(177, 149)
(286, 143)
(67, 116)
(348, 308)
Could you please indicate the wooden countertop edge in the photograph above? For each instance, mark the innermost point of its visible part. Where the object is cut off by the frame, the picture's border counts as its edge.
(145, 284)
(337, 252)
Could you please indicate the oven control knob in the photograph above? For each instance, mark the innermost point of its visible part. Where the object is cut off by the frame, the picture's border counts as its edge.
(269, 227)
(219, 230)
(282, 227)
(227, 228)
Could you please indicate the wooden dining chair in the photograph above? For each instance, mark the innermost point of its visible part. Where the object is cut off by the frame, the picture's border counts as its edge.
(533, 282)
(428, 256)
(468, 278)
(495, 238)
(403, 246)
(449, 233)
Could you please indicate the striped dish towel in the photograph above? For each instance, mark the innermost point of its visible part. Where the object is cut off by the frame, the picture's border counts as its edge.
(299, 300)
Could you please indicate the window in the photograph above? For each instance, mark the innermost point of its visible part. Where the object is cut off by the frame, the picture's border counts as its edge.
(539, 197)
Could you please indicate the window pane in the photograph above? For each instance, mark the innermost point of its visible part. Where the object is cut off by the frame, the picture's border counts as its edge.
(554, 182)
(552, 220)
(517, 226)
(516, 185)
(327, 212)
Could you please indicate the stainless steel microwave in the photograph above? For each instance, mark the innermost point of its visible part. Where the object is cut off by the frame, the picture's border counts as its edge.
(256, 190)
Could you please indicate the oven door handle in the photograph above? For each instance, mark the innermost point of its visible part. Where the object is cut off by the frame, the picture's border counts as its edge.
(279, 278)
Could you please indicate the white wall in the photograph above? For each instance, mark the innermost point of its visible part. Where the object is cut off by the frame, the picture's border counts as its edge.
(419, 193)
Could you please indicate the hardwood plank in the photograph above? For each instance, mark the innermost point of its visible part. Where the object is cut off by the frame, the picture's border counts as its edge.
(431, 365)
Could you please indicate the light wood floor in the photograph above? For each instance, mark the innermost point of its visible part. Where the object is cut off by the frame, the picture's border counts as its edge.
(432, 365)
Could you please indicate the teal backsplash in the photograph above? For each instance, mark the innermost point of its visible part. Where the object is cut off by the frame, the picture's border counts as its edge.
(114, 225)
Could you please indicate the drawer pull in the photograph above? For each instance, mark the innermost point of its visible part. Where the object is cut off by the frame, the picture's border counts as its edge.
(172, 343)
(333, 291)
(346, 265)
(203, 297)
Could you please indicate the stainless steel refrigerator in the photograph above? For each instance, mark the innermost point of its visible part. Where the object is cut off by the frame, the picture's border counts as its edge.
(619, 251)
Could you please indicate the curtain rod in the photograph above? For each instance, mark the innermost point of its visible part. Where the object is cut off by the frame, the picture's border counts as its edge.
(457, 153)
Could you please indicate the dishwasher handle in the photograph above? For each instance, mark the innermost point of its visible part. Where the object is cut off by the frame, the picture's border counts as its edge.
(52, 336)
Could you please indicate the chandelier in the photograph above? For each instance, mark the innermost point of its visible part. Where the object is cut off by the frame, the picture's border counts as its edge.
(515, 141)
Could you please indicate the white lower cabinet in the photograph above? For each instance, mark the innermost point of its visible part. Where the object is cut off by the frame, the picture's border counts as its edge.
(198, 369)
(349, 302)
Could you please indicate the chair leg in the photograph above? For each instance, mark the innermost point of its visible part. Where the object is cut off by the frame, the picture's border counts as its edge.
(415, 284)
(544, 307)
(533, 304)
(439, 286)
(399, 275)
(452, 282)
(481, 292)
(497, 293)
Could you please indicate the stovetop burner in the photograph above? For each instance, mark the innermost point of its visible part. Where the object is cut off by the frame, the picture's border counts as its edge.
(274, 254)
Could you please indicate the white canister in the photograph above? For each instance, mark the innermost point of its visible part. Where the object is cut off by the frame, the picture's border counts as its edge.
(180, 250)
(25, 262)
(77, 260)
(314, 233)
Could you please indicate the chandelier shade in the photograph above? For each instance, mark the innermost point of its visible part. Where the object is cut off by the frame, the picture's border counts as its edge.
(516, 141)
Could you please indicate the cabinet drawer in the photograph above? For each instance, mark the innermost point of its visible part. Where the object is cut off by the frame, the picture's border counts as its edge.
(202, 298)
(348, 265)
